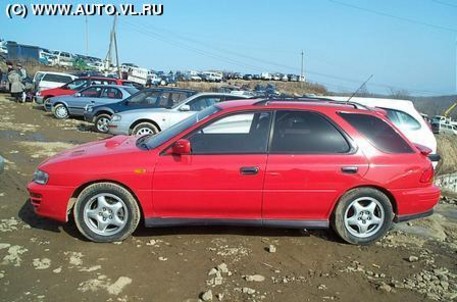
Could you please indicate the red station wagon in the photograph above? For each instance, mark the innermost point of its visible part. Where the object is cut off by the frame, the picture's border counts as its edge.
(280, 163)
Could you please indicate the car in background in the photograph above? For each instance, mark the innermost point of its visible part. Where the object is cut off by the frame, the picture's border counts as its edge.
(74, 105)
(147, 98)
(404, 115)
(49, 79)
(210, 76)
(76, 85)
(250, 163)
(154, 120)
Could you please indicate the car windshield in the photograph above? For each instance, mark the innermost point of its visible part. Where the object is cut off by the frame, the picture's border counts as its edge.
(131, 90)
(160, 138)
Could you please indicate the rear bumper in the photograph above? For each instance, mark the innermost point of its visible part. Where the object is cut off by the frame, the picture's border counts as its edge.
(414, 203)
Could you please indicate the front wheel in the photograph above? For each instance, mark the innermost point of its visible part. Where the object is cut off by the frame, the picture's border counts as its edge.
(362, 216)
(101, 123)
(106, 212)
(145, 128)
(60, 111)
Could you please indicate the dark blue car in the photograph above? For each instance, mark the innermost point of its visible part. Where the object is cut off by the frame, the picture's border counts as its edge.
(148, 98)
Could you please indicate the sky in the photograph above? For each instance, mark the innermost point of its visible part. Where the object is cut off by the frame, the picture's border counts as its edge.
(407, 45)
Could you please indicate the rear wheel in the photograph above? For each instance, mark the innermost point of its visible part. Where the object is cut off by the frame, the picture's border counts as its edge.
(362, 216)
(106, 212)
(145, 128)
(60, 111)
(101, 122)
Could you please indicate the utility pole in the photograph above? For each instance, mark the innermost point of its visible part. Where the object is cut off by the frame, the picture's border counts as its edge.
(87, 38)
(115, 48)
(302, 74)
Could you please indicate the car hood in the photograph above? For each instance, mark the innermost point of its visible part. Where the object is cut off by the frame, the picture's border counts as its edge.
(103, 148)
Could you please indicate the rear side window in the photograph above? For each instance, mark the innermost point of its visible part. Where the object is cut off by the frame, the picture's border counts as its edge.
(56, 78)
(306, 132)
(378, 133)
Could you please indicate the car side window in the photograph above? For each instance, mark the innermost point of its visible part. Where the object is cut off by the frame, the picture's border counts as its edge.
(234, 134)
(203, 102)
(306, 132)
(379, 133)
(92, 92)
(111, 93)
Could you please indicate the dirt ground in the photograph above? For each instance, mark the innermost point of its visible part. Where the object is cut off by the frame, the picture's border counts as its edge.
(41, 260)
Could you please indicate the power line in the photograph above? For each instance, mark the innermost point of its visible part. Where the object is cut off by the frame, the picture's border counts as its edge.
(453, 30)
(151, 33)
(444, 3)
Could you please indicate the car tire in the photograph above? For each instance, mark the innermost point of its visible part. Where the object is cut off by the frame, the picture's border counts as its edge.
(106, 212)
(362, 216)
(145, 128)
(60, 111)
(101, 122)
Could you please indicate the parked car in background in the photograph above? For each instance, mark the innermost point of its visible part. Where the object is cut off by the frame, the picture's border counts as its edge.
(404, 115)
(76, 85)
(147, 98)
(247, 77)
(210, 76)
(154, 120)
(74, 105)
(47, 79)
(280, 164)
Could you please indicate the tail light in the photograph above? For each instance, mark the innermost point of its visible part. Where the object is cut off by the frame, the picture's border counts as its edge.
(427, 175)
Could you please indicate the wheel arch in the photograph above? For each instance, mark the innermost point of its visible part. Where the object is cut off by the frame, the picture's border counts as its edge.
(78, 190)
(389, 195)
(144, 120)
(103, 111)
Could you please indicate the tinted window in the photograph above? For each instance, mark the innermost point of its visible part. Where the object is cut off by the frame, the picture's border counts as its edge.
(111, 93)
(378, 133)
(91, 92)
(402, 119)
(306, 132)
(203, 102)
(239, 133)
(56, 78)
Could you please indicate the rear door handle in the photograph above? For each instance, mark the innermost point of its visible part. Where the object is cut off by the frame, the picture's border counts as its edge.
(249, 170)
(349, 170)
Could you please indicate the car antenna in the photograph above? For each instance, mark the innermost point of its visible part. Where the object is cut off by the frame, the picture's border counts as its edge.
(355, 92)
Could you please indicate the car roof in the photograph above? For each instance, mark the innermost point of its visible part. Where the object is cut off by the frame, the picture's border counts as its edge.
(57, 73)
(295, 103)
(111, 85)
(377, 102)
(170, 89)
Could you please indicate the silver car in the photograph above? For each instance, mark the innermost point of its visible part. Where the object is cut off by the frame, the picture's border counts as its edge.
(154, 120)
(74, 105)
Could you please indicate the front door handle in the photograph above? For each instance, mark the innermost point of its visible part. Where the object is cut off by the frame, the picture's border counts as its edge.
(350, 169)
(249, 170)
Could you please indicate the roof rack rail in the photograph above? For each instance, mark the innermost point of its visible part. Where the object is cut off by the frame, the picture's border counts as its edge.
(266, 101)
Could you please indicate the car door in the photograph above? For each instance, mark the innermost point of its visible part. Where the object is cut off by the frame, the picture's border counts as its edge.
(222, 177)
(83, 98)
(109, 95)
(311, 162)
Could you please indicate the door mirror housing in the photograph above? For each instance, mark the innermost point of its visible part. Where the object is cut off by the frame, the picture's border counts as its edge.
(184, 108)
(77, 94)
(181, 147)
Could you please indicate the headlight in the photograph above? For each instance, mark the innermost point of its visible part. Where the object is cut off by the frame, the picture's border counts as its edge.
(89, 108)
(38, 93)
(116, 118)
(40, 177)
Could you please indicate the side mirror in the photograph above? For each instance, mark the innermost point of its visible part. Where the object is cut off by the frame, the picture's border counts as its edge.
(184, 108)
(77, 94)
(181, 147)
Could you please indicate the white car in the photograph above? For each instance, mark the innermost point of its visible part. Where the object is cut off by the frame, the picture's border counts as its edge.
(404, 115)
(154, 120)
(47, 79)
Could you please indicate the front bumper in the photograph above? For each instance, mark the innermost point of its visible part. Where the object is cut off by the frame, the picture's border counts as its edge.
(39, 99)
(50, 201)
(47, 106)
(118, 129)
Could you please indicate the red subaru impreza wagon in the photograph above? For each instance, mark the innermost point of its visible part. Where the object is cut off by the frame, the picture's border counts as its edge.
(282, 163)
